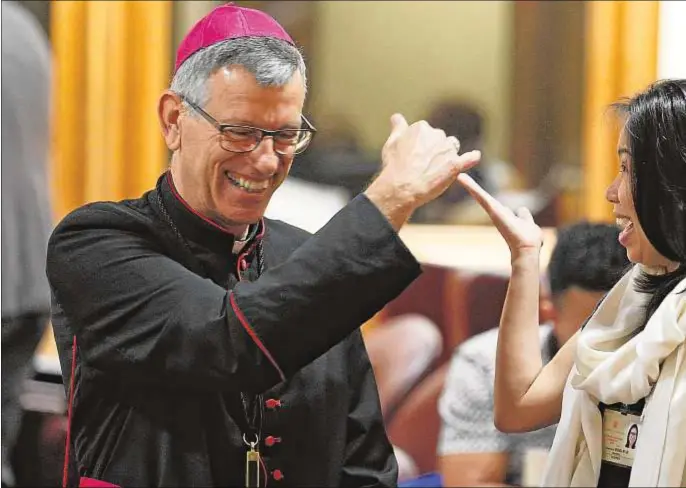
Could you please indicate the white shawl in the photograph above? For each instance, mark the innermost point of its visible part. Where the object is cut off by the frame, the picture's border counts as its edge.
(614, 365)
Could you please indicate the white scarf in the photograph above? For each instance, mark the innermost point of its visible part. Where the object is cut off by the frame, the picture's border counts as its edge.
(614, 365)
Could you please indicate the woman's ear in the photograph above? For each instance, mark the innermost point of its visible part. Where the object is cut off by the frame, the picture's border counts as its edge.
(169, 112)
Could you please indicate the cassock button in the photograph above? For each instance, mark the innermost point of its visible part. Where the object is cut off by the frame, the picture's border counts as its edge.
(277, 475)
(270, 440)
(272, 403)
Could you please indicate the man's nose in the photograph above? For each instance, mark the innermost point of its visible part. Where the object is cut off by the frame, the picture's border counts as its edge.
(266, 158)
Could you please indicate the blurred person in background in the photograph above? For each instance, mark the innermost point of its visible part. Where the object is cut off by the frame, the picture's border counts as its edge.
(336, 157)
(465, 119)
(586, 262)
(320, 184)
(26, 213)
(211, 346)
(332, 170)
(628, 363)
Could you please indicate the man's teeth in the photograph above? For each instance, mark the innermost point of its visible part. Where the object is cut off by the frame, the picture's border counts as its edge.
(249, 185)
(623, 222)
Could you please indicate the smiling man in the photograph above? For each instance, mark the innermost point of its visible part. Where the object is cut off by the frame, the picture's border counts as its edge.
(204, 345)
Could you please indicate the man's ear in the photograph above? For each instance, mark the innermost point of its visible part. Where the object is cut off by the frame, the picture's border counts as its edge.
(547, 312)
(169, 110)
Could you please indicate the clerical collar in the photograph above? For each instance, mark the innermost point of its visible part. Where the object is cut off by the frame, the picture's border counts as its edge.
(198, 228)
(249, 235)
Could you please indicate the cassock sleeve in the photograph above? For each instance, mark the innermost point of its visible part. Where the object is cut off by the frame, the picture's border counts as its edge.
(369, 458)
(139, 314)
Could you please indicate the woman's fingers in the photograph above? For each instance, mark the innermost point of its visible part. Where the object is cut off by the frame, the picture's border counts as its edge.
(496, 210)
(482, 197)
(524, 214)
(516, 227)
(468, 160)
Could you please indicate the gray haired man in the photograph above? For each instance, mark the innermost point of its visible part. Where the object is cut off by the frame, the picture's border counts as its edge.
(215, 347)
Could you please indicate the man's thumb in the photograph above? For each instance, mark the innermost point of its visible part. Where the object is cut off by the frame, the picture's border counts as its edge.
(398, 124)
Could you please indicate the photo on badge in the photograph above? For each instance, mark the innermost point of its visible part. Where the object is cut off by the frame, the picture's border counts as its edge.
(632, 437)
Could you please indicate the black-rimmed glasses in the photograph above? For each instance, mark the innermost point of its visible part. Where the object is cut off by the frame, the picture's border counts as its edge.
(244, 138)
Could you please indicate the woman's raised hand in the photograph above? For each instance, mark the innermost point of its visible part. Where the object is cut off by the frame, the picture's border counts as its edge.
(517, 228)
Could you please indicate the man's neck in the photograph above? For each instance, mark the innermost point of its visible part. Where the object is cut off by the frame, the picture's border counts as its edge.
(564, 329)
(239, 231)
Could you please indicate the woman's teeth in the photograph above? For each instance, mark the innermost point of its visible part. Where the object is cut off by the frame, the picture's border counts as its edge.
(248, 185)
(627, 227)
(623, 222)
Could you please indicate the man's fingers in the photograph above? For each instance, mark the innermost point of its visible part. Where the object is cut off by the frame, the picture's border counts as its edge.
(398, 124)
(468, 160)
(453, 142)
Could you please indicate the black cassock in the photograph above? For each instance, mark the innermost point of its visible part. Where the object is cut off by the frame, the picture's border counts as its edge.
(177, 357)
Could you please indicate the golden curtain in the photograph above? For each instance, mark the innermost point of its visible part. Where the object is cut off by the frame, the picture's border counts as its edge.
(621, 59)
(112, 60)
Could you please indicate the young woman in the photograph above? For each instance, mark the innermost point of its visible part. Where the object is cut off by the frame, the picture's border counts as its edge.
(628, 364)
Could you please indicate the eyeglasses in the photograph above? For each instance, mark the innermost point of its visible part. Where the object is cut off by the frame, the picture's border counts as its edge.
(244, 138)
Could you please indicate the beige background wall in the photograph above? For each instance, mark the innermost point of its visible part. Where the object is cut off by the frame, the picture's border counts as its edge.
(186, 14)
(373, 58)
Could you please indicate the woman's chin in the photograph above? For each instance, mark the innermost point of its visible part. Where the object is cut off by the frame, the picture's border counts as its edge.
(636, 258)
(650, 266)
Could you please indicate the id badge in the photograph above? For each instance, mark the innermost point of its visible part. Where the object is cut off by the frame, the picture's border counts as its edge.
(620, 437)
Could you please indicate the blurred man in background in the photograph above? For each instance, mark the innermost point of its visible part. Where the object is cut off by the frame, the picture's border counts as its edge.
(585, 264)
(26, 215)
(466, 119)
(336, 157)
(326, 177)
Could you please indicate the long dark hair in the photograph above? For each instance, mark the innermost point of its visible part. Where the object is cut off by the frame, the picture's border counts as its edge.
(656, 130)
